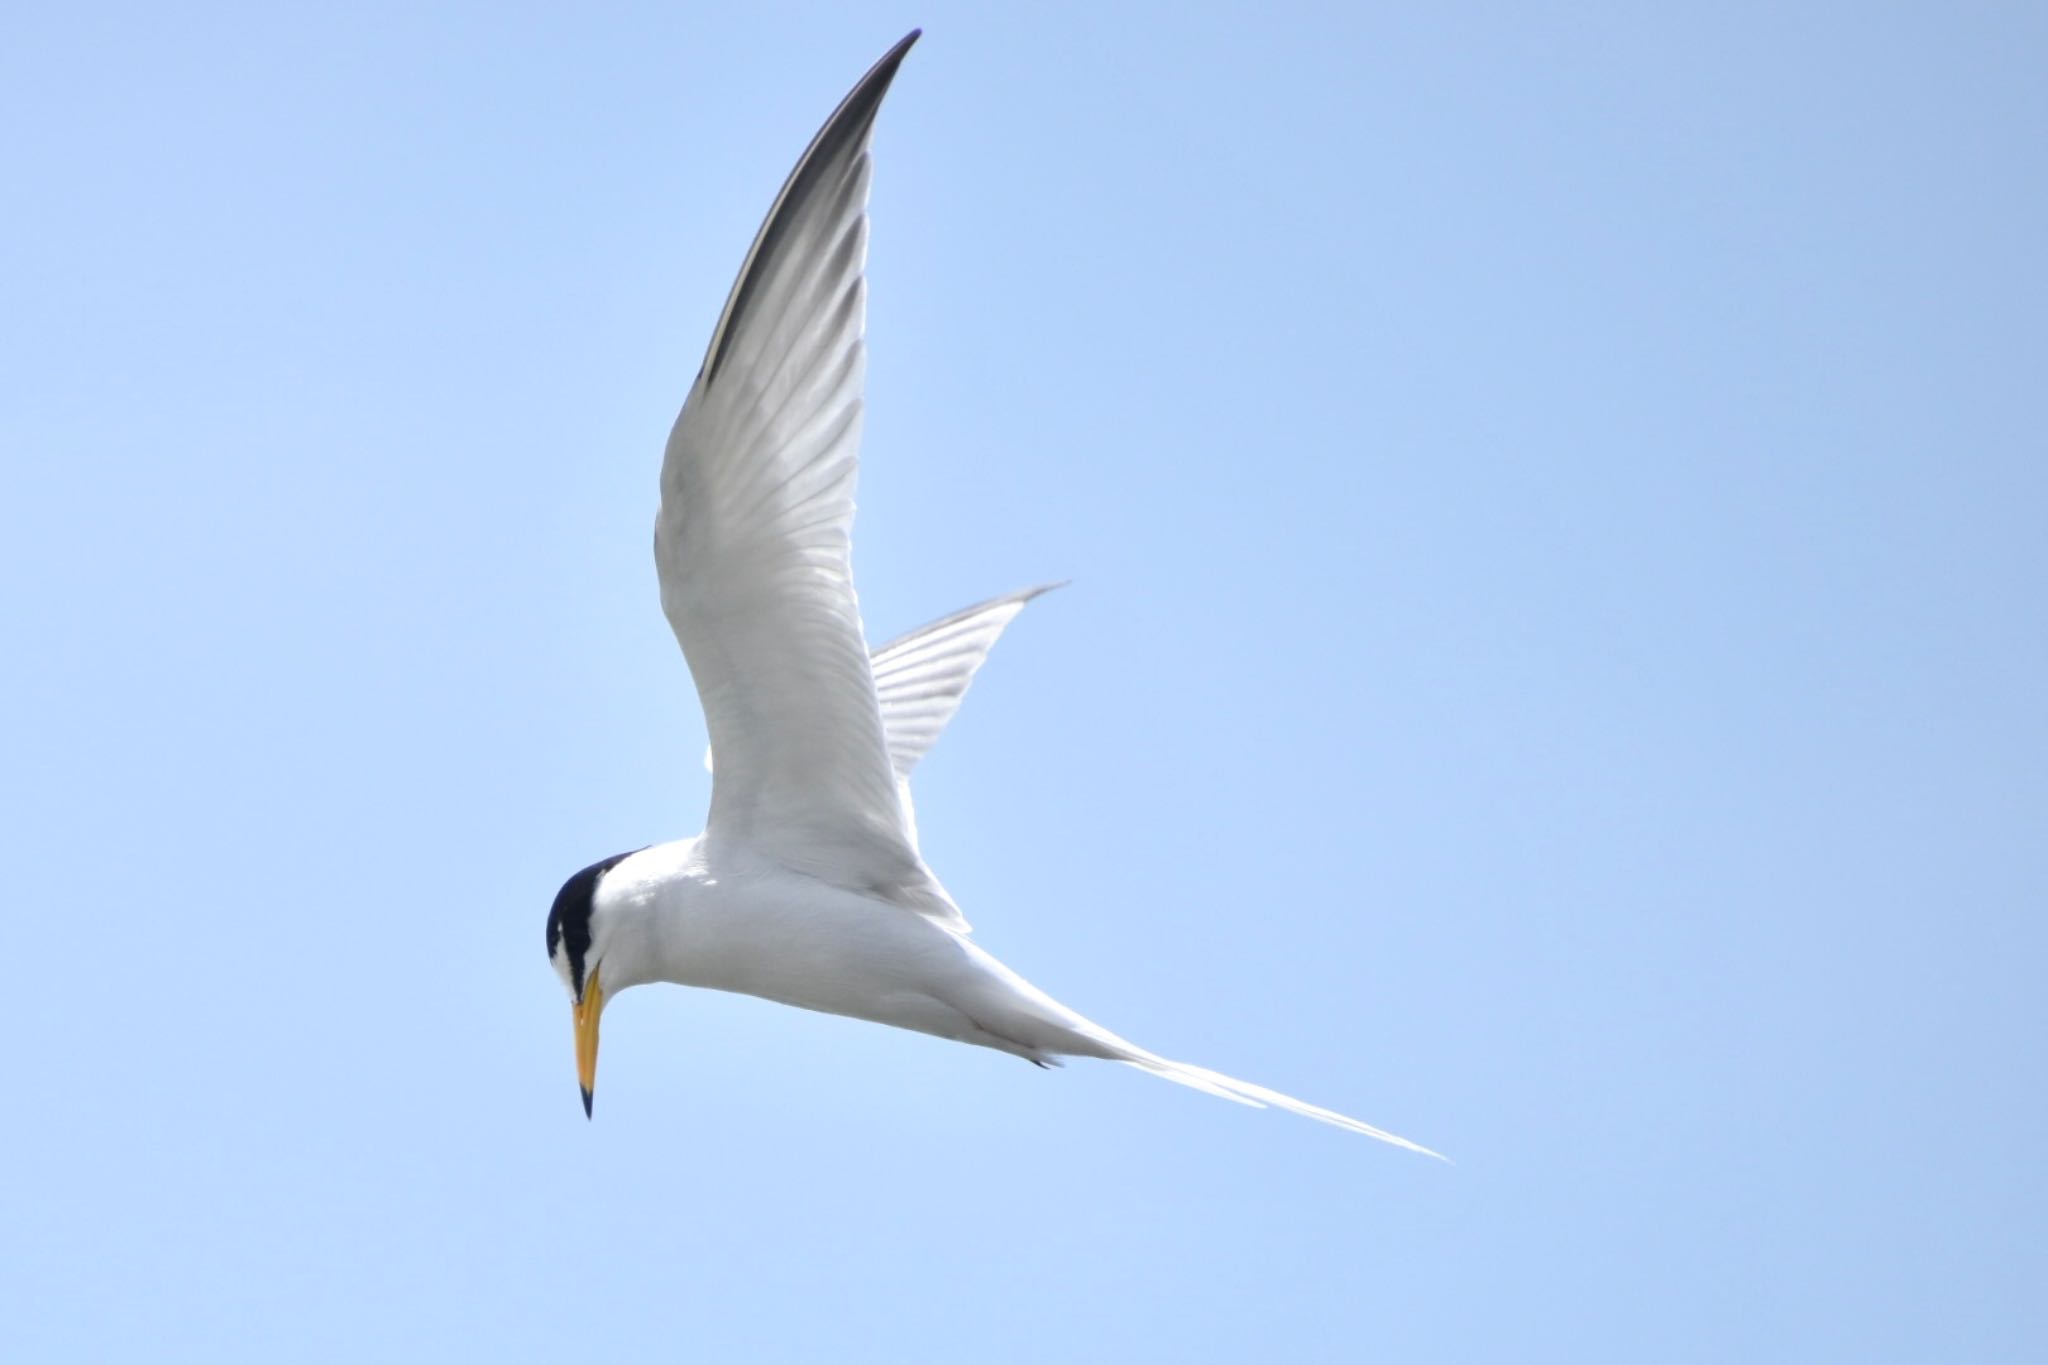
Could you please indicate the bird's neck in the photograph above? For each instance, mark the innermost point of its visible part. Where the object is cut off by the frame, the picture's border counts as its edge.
(652, 915)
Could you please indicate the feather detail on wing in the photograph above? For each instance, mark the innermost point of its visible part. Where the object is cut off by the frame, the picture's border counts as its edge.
(921, 677)
(752, 541)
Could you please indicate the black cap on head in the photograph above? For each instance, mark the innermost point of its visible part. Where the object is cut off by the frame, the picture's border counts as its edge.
(569, 917)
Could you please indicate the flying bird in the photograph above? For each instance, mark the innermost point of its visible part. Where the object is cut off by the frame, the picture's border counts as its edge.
(807, 885)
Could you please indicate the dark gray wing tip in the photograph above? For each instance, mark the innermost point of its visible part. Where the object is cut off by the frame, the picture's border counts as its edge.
(842, 134)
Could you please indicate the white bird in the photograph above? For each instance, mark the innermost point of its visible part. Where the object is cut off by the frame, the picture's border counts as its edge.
(807, 885)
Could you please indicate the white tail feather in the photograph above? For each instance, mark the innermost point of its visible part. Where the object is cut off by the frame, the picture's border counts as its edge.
(1258, 1096)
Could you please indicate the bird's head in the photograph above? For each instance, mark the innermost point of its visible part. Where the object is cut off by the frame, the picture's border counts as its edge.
(577, 941)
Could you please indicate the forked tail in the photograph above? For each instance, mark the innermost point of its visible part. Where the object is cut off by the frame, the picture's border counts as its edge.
(1258, 1097)
(1035, 1026)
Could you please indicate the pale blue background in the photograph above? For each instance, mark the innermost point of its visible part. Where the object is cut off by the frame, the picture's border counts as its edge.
(1555, 665)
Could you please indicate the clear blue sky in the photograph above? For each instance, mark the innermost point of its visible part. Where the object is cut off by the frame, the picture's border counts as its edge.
(1555, 666)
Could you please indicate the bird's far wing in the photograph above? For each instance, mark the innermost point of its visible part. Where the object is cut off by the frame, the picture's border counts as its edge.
(753, 537)
(921, 677)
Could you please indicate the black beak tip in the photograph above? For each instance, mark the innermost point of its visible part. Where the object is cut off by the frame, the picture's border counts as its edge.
(586, 1102)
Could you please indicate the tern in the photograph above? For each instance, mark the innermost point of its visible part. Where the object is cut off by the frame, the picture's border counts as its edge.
(807, 886)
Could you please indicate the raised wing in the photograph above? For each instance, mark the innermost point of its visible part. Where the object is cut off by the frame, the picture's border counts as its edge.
(921, 677)
(753, 537)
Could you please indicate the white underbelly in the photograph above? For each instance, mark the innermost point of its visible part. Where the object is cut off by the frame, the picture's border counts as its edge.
(801, 942)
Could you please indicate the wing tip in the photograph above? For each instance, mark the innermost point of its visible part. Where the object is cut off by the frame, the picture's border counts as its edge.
(847, 126)
(882, 72)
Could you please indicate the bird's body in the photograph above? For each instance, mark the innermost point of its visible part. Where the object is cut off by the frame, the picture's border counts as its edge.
(808, 886)
(741, 923)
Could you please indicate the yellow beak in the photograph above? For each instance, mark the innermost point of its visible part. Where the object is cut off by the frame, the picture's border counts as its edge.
(586, 1011)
